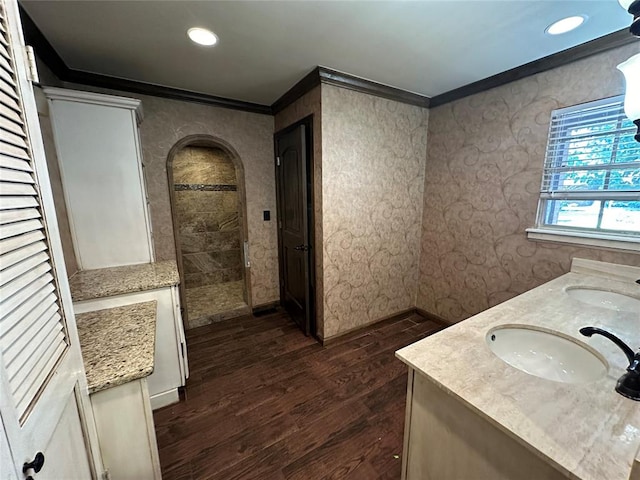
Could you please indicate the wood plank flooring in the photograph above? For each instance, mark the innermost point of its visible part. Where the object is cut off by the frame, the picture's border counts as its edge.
(265, 402)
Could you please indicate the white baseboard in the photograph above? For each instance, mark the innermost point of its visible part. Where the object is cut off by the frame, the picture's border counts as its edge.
(163, 399)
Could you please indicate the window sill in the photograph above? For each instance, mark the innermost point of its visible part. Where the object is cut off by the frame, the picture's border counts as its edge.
(585, 239)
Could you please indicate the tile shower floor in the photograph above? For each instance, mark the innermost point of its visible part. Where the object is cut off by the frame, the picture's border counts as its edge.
(206, 302)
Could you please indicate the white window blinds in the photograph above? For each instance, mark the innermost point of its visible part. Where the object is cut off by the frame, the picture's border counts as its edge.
(591, 174)
(591, 153)
(32, 335)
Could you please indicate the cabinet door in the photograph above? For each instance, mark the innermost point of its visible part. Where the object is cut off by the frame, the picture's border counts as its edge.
(127, 436)
(101, 173)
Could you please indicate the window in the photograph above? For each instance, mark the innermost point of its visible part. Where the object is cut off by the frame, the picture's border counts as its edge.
(591, 177)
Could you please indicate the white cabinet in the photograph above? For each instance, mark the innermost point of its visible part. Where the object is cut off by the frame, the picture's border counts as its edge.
(127, 435)
(170, 358)
(446, 439)
(98, 149)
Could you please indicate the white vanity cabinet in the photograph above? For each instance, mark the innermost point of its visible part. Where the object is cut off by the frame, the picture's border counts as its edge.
(98, 149)
(473, 415)
(170, 358)
(126, 432)
(118, 354)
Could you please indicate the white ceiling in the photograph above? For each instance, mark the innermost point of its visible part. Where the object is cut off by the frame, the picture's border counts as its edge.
(265, 47)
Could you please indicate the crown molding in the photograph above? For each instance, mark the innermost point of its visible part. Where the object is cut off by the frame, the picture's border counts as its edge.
(328, 76)
(45, 51)
(133, 86)
(308, 83)
(319, 75)
(352, 82)
(613, 40)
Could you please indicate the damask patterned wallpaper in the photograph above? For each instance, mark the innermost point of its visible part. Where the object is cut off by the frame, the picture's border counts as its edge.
(251, 135)
(483, 173)
(373, 161)
(369, 156)
(375, 226)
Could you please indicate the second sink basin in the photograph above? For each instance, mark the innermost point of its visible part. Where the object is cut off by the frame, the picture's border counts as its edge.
(605, 299)
(545, 354)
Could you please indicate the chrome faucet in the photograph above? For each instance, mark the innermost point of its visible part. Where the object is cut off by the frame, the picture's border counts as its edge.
(628, 384)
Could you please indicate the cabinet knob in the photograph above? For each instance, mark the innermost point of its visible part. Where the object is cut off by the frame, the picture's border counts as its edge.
(36, 465)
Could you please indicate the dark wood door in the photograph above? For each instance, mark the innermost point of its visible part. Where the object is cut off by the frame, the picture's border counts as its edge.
(293, 221)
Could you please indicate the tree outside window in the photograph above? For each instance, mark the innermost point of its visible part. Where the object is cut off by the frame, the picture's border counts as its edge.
(591, 178)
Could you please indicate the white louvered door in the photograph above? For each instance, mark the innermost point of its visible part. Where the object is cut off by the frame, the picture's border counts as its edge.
(41, 373)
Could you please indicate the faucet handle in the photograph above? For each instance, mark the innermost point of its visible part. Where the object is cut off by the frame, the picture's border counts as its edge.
(628, 385)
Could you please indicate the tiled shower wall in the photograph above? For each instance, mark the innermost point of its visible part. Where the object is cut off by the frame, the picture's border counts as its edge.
(206, 209)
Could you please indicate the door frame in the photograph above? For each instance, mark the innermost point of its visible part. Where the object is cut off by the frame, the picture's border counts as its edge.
(210, 141)
(307, 122)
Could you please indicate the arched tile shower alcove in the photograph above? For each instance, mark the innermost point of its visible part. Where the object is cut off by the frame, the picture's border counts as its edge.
(206, 179)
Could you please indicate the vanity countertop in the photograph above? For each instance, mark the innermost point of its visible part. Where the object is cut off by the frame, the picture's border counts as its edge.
(117, 344)
(105, 282)
(587, 431)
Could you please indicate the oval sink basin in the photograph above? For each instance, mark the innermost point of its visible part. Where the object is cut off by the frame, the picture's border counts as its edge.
(546, 355)
(604, 299)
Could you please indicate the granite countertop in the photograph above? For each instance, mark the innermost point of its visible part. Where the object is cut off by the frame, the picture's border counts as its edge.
(586, 431)
(117, 344)
(105, 282)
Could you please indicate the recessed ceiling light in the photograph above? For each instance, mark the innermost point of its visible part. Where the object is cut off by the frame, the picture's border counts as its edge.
(202, 36)
(565, 25)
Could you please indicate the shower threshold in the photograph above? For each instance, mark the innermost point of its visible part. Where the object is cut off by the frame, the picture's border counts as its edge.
(214, 303)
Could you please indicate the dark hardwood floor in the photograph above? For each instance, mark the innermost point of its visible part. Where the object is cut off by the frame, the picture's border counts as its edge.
(265, 402)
